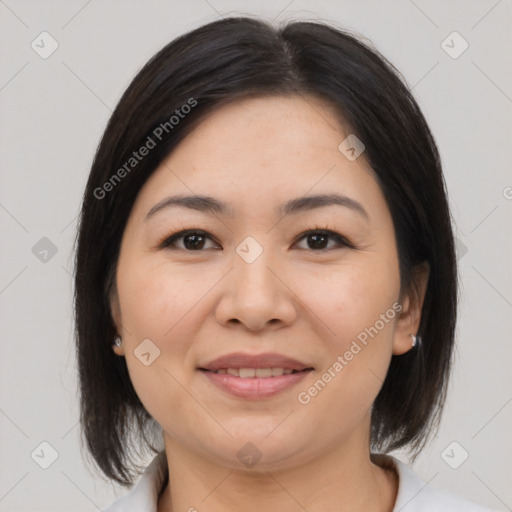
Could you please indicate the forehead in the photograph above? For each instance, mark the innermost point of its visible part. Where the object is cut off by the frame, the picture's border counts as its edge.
(275, 124)
(260, 150)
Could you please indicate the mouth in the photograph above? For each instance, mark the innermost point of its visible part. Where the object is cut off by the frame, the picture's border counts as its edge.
(245, 383)
(254, 377)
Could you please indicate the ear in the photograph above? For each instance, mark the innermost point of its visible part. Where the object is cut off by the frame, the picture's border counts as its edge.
(409, 318)
(115, 311)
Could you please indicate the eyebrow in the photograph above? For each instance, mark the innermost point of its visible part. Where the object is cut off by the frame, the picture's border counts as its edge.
(209, 204)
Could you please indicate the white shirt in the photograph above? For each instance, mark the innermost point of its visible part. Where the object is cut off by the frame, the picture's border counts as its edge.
(414, 495)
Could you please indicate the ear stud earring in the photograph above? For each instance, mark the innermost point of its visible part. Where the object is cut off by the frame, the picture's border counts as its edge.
(117, 341)
(416, 340)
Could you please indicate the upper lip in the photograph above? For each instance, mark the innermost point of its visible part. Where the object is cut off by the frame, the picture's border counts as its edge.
(265, 360)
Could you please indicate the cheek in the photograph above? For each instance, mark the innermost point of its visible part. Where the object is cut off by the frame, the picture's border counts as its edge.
(161, 304)
(357, 308)
(351, 297)
(152, 300)
(154, 305)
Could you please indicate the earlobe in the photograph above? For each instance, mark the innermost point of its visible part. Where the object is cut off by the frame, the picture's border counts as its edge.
(407, 325)
(403, 344)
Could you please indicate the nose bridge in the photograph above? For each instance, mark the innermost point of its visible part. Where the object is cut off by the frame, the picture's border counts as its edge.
(251, 267)
(254, 295)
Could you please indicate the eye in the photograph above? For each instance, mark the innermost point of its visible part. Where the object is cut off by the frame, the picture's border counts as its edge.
(317, 239)
(193, 240)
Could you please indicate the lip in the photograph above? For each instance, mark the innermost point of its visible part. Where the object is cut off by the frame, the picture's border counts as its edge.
(254, 388)
(264, 360)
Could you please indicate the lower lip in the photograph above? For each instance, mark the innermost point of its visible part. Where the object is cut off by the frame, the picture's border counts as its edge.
(253, 387)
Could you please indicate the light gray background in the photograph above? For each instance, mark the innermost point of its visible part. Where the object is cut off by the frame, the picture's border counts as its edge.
(53, 112)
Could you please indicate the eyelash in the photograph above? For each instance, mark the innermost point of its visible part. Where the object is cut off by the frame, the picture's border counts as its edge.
(169, 240)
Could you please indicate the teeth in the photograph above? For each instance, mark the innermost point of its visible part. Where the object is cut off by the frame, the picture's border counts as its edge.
(263, 372)
(248, 373)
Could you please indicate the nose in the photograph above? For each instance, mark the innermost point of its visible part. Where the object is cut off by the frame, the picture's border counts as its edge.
(256, 295)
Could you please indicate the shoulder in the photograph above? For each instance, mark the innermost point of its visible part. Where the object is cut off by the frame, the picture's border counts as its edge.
(416, 495)
(143, 497)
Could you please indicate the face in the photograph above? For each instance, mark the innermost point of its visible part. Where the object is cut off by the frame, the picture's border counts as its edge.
(250, 280)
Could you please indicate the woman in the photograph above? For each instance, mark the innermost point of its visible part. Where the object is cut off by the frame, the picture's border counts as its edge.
(265, 278)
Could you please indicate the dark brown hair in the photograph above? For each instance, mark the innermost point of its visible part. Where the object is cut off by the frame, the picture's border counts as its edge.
(206, 68)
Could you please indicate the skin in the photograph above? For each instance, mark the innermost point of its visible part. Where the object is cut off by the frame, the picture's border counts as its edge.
(294, 299)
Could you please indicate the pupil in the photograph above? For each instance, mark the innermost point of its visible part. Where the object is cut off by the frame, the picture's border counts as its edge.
(316, 237)
(196, 244)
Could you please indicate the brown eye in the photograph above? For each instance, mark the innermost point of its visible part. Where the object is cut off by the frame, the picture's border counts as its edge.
(192, 240)
(318, 239)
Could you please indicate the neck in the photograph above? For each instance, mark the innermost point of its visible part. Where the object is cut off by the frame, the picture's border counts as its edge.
(342, 479)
